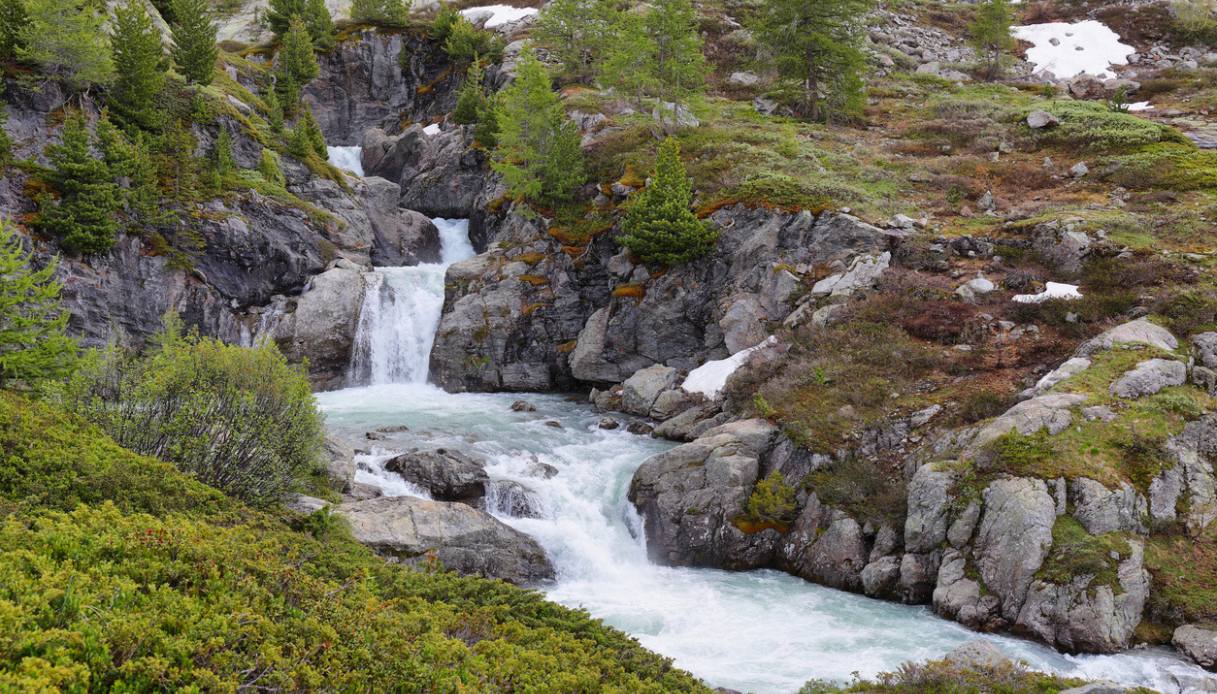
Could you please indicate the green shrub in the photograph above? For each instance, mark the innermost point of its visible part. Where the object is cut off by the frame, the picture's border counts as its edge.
(772, 501)
(660, 228)
(862, 488)
(86, 199)
(465, 43)
(1076, 552)
(33, 343)
(1021, 453)
(1091, 126)
(384, 12)
(240, 419)
(1194, 21)
(1168, 165)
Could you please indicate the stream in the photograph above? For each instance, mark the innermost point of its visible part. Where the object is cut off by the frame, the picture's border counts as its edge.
(760, 631)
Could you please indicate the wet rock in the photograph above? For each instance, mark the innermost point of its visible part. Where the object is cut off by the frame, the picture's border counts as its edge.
(1149, 377)
(1013, 538)
(826, 546)
(513, 499)
(639, 428)
(462, 538)
(446, 474)
(1197, 643)
(339, 461)
(322, 328)
(543, 470)
(523, 406)
(978, 654)
(608, 423)
(881, 577)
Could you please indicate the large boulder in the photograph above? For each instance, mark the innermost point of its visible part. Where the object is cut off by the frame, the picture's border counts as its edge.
(1187, 490)
(1197, 643)
(1139, 331)
(1102, 510)
(1149, 377)
(339, 461)
(691, 495)
(1047, 411)
(322, 327)
(639, 392)
(462, 538)
(828, 547)
(446, 474)
(1013, 538)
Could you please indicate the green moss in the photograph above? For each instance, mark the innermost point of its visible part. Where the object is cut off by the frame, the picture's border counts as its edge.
(1185, 571)
(1076, 552)
(1176, 166)
(1023, 454)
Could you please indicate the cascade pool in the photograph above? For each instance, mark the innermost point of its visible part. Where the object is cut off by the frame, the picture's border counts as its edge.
(761, 631)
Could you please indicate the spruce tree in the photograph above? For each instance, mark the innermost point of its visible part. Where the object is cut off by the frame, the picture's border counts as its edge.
(818, 45)
(678, 64)
(990, 34)
(139, 62)
(311, 132)
(33, 342)
(470, 98)
(274, 112)
(143, 187)
(296, 66)
(660, 228)
(319, 23)
(221, 156)
(13, 20)
(538, 152)
(628, 64)
(194, 36)
(486, 133)
(268, 166)
(279, 14)
(67, 41)
(82, 210)
(384, 12)
(577, 33)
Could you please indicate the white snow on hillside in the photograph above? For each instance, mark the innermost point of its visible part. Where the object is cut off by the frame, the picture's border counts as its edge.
(497, 15)
(710, 378)
(1052, 290)
(1087, 47)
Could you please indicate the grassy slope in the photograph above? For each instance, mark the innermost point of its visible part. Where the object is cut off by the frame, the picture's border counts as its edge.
(117, 572)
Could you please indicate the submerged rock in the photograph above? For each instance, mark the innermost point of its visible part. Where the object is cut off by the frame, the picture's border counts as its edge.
(462, 538)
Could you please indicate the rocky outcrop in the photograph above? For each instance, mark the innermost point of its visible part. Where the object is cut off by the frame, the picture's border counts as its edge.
(1187, 490)
(1149, 377)
(640, 391)
(320, 324)
(462, 538)
(1198, 644)
(339, 461)
(1140, 332)
(447, 475)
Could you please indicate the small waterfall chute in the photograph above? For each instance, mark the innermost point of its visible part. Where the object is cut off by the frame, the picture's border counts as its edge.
(347, 158)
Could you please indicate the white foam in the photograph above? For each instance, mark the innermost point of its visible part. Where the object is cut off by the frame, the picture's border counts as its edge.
(1052, 290)
(1087, 47)
(710, 378)
(347, 158)
(497, 15)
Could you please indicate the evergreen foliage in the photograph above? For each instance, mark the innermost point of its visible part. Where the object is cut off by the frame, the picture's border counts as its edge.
(139, 63)
(268, 166)
(33, 345)
(627, 65)
(677, 63)
(660, 228)
(772, 500)
(82, 210)
(143, 187)
(486, 133)
(312, 133)
(538, 152)
(222, 158)
(13, 19)
(466, 43)
(576, 32)
(470, 98)
(296, 66)
(239, 419)
(67, 41)
(818, 45)
(6, 143)
(990, 34)
(194, 38)
(383, 12)
(274, 112)
(320, 24)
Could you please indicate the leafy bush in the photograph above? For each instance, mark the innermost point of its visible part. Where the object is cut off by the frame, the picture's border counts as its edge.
(772, 501)
(240, 419)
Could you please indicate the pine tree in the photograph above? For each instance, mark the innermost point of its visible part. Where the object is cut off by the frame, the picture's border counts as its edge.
(577, 33)
(311, 132)
(319, 23)
(67, 41)
(818, 45)
(274, 112)
(384, 12)
(175, 162)
(13, 20)
(33, 342)
(466, 43)
(280, 13)
(470, 98)
(296, 65)
(628, 64)
(221, 156)
(538, 151)
(486, 133)
(139, 61)
(82, 211)
(194, 36)
(660, 228)
(678, 64)
(143, 188)
(990, 34)
(268, 166)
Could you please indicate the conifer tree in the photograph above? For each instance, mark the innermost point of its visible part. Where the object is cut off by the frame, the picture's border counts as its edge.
(470, 98)
(628, 64)
(82, 211)
(577, 33)
(296, 66)
(194, 38)
(319, 23)
(660, 228)
(67, 41)
(385, 12)
(678, 64)
(268, 166)
(312, 134)
(13, 20)
(222, 158)
(143, 187)
(486, 133)
(139, 64)
(538, 152)
(175, 162)
(274, 112)
(990, 34)
(33, 343)
(818, 46)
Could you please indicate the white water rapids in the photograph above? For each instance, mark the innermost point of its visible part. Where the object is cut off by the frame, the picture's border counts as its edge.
(762, 631)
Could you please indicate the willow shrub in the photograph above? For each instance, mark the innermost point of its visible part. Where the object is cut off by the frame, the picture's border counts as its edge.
(240, 419)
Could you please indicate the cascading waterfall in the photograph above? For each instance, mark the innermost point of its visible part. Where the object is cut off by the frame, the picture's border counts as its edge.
(760, 631)
(347, 158)
(401, 311)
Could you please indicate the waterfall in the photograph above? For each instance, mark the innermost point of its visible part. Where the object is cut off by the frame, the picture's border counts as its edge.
(401, 311)
(347, 158)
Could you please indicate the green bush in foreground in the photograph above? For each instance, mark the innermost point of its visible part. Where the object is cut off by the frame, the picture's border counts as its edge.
(239, 419)
(118, 573)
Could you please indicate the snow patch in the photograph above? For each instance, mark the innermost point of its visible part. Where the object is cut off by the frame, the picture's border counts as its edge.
(1087, 47)
(1052, 290)
(710, 378)
(432, 129)
(1140, 106)
(347, 158)
(497, 15)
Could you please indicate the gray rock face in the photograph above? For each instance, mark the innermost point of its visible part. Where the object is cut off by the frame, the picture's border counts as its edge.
(1062, 249)
(339, 462)
(1070, 368)
(1198, 644)
(1204, 347)
(925, 526)
(977, 653)
(1048, 411)
(322, 327)
(401, 236)
(639, 392)
(513, 499)
(690, 495)
(1102, 510)
(1190, 480)
(828, 547)
(448, 475)
(863, 273)
(1149, 377)
(1037, 120)
(1139, 331)
(1013, 539)
(462, 538)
